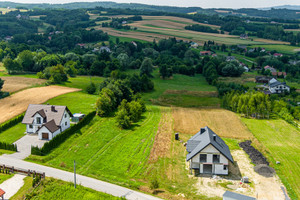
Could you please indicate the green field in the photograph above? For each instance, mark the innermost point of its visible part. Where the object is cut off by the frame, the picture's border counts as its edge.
(13, 134)
(179, 85)
(279, 48)
(57, 189)
(104, 151)
(82, 82)
(76, 102)
(281, 141)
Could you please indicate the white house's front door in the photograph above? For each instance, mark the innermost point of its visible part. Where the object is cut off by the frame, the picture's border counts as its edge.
(45, 136)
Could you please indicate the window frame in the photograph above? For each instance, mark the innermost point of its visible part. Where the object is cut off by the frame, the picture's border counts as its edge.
(202, 159)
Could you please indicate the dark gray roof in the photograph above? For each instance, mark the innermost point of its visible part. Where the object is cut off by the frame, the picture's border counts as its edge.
(51, 126)
(277, 83)
(237, 196)
(45, 110)
(201, 140)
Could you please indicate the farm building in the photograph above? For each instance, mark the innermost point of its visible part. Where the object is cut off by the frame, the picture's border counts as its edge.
(208, 153)
(235, 196)
(46, 120)
(205, 53)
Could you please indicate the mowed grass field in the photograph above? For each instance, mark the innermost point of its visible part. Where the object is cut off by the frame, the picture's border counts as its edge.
(287, 49)
(104, 151)
(281, 141)
(182, 91)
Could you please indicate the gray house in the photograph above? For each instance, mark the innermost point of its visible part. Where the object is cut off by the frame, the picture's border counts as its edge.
(277, 87)
(208, 153)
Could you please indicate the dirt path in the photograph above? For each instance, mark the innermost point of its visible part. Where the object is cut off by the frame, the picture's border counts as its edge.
(15, 83)
(162, 142)
(18, 102)
(223, 122)
(263, 188)
(12, 185)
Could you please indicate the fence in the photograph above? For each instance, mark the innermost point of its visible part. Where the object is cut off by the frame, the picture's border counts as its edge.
(28, 172)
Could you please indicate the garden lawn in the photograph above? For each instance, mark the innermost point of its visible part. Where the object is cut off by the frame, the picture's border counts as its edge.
(76, 102)
(4, 177)
(82, 82)
(281, 141)
(12, 134)
(104, 151)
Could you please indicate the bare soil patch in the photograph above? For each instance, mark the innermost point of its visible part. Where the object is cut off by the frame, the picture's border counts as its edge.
(225, 123)
(162, 142)
(17, 103)
(261, 187)
(13, 84)
(256, 157)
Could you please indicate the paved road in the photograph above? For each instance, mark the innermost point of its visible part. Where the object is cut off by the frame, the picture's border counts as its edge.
(95, 184)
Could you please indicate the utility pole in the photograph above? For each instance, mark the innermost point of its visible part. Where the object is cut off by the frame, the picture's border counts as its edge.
(74, 174)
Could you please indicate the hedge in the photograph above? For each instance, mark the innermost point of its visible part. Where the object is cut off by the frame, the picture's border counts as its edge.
(6, 125)
(7, 146)
(60, 138)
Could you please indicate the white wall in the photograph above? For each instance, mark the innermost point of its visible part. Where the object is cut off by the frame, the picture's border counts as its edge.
(44, 130)
(65, 119)
(217, 167)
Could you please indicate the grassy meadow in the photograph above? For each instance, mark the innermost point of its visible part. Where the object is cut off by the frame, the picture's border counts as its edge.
(104, 151)
(82, 82)
(182, 90)
(280, 141)
(13, 134)
(4, 177)
(57, 189)
(287, 49)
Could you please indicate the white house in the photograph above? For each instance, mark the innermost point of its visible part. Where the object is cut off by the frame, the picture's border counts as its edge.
(46, 120)
(276, 87)
(208, 153)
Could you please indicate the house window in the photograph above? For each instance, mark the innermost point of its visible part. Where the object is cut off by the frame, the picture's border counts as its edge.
(225, 167)
(216, 158)
(65, 115)
(38, 120)
(203, 157)
(30, 126)
(66, 123)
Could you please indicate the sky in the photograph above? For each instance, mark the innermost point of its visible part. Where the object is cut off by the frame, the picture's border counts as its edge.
(183, 3)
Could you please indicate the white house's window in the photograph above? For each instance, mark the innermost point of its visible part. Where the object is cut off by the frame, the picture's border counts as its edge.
(38, 120)
(216, 158)
(224, 167)
(66, 123)
(65, 115)
(30, 126)
(203, 157)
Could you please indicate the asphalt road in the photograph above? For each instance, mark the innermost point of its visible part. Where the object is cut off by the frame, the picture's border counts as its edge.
(85, 181)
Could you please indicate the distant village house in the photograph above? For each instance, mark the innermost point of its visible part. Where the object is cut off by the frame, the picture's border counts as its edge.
(205, 53)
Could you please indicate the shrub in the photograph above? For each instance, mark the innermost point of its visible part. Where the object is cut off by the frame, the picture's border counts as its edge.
(11, 123)
(154, 184)
(91, 88)
(7, 146)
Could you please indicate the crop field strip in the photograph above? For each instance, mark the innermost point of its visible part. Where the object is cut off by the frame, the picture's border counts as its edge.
(281, 141)
(17, 103)
(16, 83)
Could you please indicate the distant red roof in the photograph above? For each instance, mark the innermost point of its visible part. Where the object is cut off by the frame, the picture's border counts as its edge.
(279, 73)
(1, 192)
